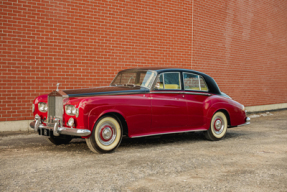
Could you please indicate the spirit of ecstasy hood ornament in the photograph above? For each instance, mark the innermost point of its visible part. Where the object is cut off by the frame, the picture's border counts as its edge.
(57, 86)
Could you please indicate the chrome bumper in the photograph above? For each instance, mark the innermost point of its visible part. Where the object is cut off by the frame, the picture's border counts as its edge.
(37, 126)
(247, 120)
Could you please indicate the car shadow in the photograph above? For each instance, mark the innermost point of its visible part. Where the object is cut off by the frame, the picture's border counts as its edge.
(190, 137)
(149, 142)
(163, 139)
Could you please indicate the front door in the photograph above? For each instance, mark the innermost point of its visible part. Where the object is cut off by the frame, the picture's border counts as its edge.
(169, 110)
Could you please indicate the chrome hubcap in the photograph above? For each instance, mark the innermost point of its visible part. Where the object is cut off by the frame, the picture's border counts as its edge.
(107, 133)
(218, 125)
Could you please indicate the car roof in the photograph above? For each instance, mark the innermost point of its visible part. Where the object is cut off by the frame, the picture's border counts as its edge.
(212, 85)
(162, 69)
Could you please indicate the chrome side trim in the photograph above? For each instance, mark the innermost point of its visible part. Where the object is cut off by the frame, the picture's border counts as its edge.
(169, 133)
(195, 93)
(175, 92)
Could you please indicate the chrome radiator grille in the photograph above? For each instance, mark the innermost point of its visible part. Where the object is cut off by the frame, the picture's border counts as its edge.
(55, 108)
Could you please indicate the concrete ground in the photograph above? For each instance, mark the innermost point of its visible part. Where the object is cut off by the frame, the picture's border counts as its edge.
(249, 158)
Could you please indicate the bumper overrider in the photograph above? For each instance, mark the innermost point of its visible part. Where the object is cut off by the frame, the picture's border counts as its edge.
(57, 129)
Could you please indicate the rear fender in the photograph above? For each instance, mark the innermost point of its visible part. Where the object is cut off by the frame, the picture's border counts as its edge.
(217, 107)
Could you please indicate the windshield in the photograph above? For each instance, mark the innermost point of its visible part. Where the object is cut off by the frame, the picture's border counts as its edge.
(135, 78)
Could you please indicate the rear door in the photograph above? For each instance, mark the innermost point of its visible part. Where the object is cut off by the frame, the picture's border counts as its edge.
(196, 93)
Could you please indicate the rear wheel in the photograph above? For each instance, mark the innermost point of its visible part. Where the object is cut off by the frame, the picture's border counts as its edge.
(60, 140)
(218, 127)
(106, 136)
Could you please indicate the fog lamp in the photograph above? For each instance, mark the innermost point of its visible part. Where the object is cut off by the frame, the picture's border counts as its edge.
(37, 117)
(70, 123)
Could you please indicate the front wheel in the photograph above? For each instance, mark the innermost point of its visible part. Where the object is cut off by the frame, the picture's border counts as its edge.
(218, 127)
(106, 136)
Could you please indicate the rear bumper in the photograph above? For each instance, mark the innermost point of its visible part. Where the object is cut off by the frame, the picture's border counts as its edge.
(247, 122)
(37, 126)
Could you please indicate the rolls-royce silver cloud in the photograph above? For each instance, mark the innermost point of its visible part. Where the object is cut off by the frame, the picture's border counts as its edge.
(139, 102)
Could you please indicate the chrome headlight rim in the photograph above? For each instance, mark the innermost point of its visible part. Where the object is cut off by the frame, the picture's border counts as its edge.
(42, 107)
(71, 110)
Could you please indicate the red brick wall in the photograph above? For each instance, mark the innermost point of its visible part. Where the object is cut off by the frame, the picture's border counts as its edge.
(242, 44)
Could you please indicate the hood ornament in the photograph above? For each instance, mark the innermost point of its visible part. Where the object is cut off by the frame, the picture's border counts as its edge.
(57, 86)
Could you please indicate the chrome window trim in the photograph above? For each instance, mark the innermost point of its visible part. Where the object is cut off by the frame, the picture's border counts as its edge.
(198, 93)
(199, 85)
(198, 76)
(163, 86)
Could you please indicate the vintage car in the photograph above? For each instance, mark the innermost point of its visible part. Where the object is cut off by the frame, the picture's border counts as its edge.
(139, 102)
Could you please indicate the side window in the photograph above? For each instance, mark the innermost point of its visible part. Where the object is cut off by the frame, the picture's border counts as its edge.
(194, 82)
(168, 80)
(203, 86)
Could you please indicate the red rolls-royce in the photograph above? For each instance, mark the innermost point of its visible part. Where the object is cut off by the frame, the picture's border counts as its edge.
(139, 102)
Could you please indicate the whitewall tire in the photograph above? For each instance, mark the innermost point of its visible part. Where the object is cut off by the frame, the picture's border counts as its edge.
(218, 127)
(106, 135)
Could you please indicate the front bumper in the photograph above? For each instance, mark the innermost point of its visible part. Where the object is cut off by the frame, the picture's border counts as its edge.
(57, 130)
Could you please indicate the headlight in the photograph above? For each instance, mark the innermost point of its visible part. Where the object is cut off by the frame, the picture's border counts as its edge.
(33, 108)
(72, 110)
(243, 108)
(42, 107)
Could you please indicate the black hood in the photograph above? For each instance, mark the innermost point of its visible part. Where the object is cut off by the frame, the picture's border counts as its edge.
(111, 90)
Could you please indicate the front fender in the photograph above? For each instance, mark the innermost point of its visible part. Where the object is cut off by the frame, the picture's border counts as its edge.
(98, 112)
